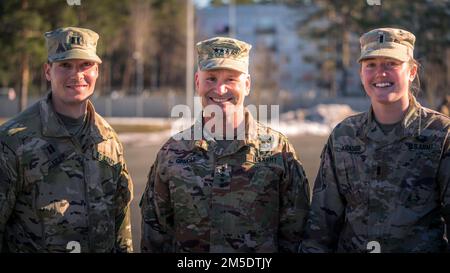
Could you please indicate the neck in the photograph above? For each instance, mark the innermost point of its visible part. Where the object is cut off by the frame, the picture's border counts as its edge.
(225, 127)
(390, 113)
(74, 111)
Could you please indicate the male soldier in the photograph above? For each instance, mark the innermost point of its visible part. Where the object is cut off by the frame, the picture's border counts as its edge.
(64, 186)
(206, 194)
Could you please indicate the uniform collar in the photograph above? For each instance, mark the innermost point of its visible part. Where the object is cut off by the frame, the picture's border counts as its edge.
(53, 127)
(410, 124)
(251, 135)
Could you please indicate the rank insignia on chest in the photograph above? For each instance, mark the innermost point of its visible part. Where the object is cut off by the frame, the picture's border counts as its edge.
(223, 170)
(266, 142)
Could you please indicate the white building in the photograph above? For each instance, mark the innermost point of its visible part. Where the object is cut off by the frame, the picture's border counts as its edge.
(272, 30)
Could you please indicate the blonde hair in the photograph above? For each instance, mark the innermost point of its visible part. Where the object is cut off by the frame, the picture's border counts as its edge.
(414, 87)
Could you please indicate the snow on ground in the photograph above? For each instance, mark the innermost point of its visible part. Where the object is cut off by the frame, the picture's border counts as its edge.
(318, 120)
(138, 121)
(144, 139)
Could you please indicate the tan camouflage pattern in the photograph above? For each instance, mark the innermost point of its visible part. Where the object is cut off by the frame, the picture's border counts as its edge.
(251, 197)
(72, 43)
(55, 189)
(223, 53)
(391, 189)
(387, 42)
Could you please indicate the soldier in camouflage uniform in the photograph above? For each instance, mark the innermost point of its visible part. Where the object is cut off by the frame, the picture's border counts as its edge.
(64, 186)
(383, 182)
(207, 194)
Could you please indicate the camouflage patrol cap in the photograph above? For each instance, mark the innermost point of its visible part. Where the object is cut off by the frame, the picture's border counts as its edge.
(387, 42)
(223, 53)
(72, 43)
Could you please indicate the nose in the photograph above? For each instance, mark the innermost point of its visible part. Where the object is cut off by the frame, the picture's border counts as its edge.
(381, 70)
(220, 88)
(78, 73)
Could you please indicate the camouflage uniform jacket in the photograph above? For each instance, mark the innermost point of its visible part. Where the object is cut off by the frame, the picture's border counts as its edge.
(377, 192)
(55, 189)
(251, 197)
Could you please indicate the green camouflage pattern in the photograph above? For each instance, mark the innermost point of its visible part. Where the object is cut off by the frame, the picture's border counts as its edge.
(252, 196)
(55, 189)
(391, 189)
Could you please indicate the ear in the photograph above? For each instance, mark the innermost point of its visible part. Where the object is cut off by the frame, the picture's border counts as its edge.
(197, 81)
(47, 68)
(247, 85)
(97, 70)
(413, 72)
(360, 74)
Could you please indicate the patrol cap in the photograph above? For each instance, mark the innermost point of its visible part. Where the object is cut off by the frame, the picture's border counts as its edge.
(387, 42)
(223, 53)
(72, 43)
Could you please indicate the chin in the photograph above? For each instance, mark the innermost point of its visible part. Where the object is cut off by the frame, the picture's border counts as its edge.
(77, 99)
(385, 99)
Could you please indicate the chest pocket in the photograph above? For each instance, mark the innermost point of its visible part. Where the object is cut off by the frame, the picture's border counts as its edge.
(263, 169)
(104, 168)
(102, 171)
(36, 162)
(59, 196)
(351, 169)
(190, 185)
(260, 185)
(418, 168)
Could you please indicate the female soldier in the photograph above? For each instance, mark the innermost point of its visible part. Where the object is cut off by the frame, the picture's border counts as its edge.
(383, 181)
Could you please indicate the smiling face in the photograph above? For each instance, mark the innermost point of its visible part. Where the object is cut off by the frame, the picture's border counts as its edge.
(386, 80)
(72, 81)
(225, 88)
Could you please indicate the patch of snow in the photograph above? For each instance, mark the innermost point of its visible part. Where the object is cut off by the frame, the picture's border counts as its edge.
(318, 120)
